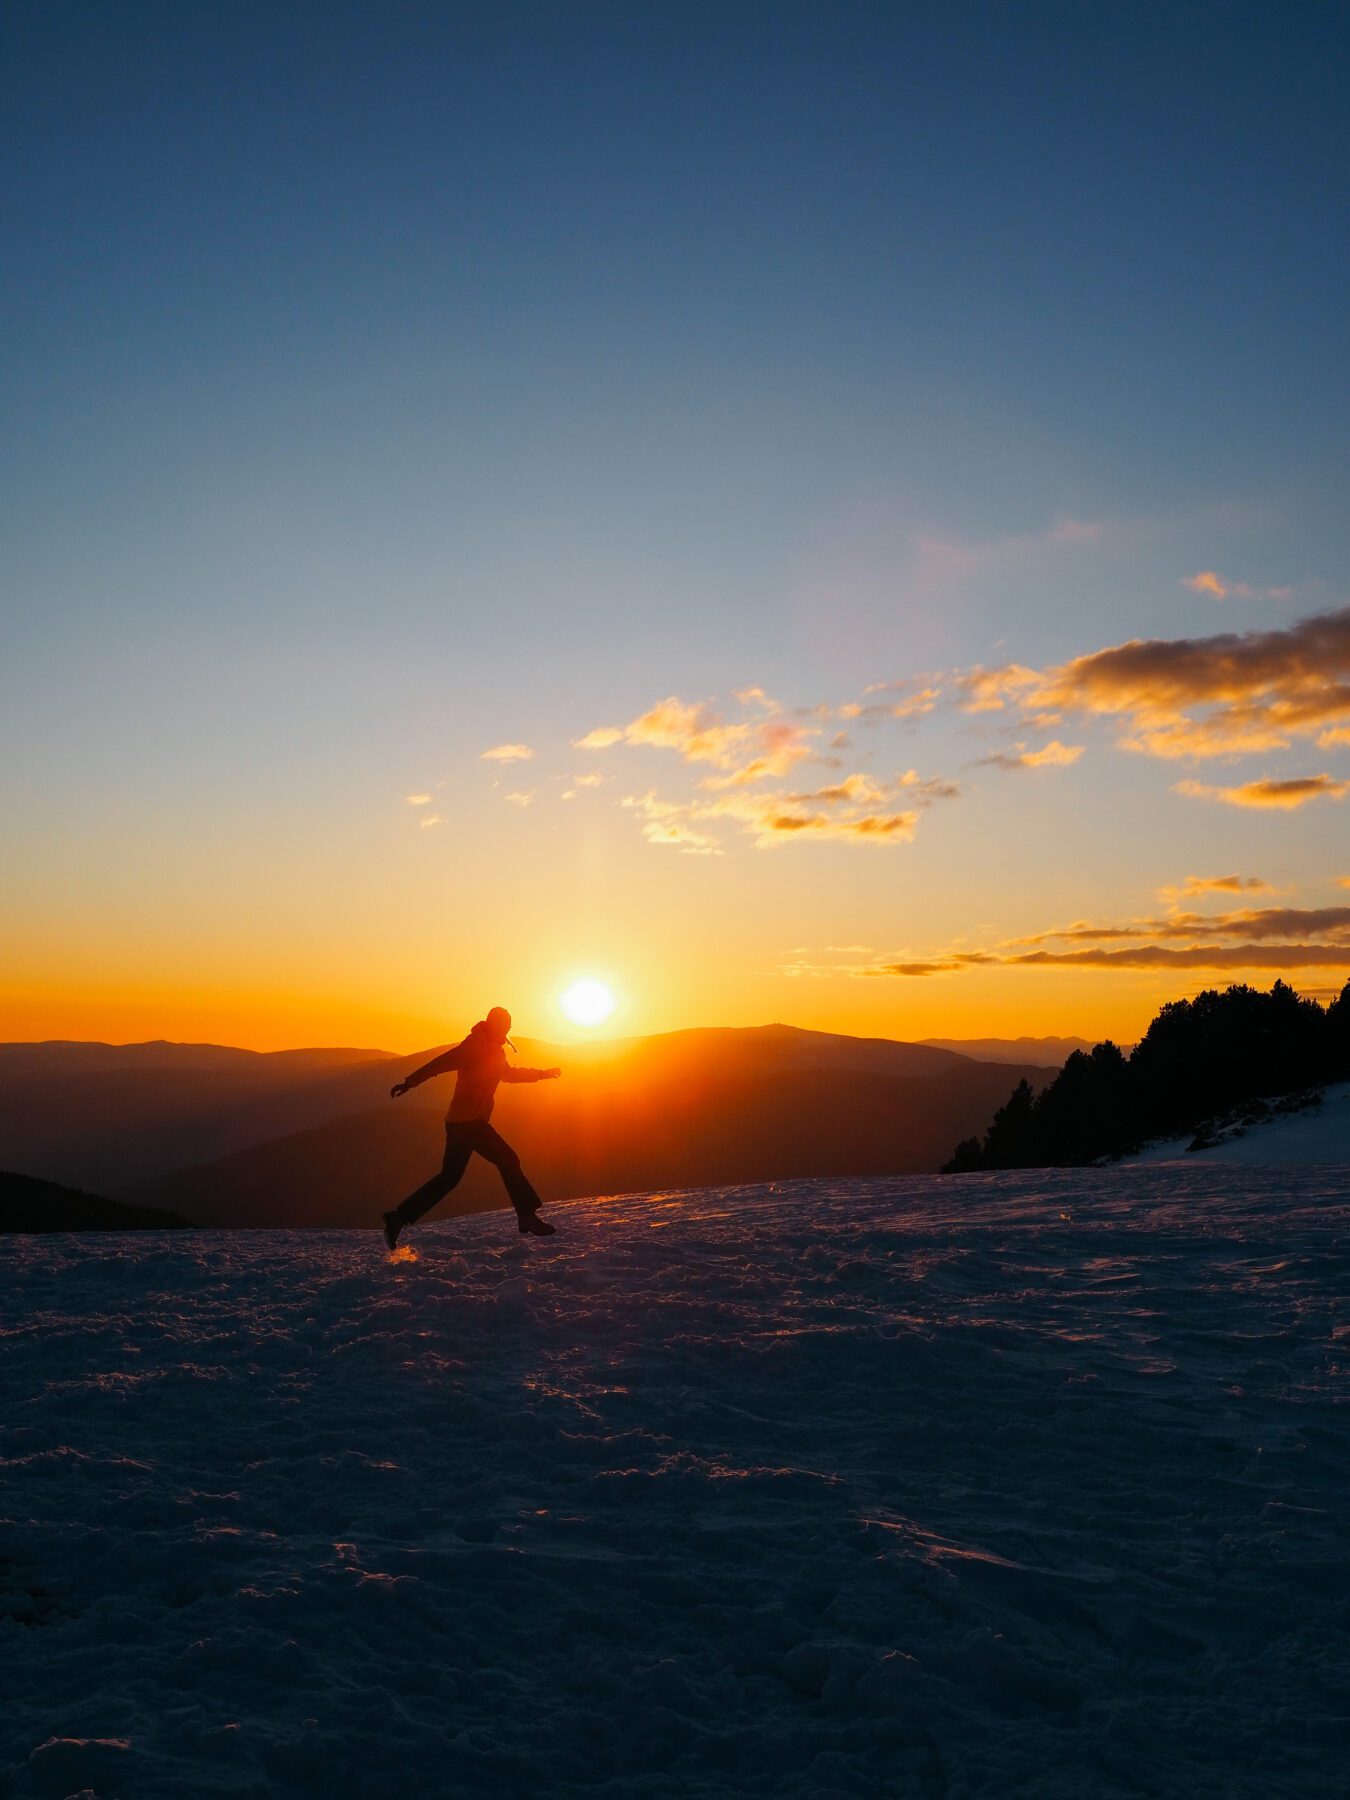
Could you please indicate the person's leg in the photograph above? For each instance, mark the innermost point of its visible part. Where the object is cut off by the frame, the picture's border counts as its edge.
(493, 1147)
(457, 1153)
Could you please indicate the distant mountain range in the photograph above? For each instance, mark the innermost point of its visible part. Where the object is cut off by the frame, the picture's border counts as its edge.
(105, 1115)
(1047, 1051)
(29, 1205)
(310, 1137)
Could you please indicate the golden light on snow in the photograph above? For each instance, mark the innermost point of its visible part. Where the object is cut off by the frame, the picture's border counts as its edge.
(587, 1002)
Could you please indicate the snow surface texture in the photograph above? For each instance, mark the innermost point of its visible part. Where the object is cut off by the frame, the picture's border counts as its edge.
(1315, 1133)
(1004, 1485)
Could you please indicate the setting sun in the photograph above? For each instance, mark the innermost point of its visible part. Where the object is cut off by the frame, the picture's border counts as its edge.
(587, 1002)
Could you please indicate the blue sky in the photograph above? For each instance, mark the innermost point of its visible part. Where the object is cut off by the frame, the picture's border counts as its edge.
(385, 383)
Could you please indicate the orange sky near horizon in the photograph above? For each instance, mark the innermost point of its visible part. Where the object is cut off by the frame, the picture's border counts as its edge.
(1071, 899)
(1093, 1007)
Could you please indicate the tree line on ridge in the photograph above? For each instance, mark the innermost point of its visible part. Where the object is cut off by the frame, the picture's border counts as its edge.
(1198, 1059)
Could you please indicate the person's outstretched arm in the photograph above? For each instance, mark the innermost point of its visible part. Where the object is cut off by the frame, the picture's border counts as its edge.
(439, 1065)
(532, 1075)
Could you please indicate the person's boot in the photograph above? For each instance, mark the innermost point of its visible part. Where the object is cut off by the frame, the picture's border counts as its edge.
(392, 1226)
(536, 1227)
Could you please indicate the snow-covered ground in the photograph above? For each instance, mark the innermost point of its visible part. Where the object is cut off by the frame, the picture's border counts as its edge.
(1311, 1134)
(1004, 1485)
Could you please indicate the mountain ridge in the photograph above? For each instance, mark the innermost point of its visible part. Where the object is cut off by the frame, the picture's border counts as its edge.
(673, 1121)
(107, 1117)
(1047, 1050)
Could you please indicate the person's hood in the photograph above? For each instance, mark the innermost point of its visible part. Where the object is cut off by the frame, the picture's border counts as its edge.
(482, 1037)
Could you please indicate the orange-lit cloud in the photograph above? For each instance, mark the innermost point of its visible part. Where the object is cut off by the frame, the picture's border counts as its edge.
(1280, 795)
(775, 819)
(522, 797)
(750, 749)
(913, 700)
(508, 753)
(754, 753)
(1282, 921)
(1206, 582)
(1141, 956)
(1215, 884)
(1263, 922)
(949, 964)
(667, 822)
(1053, 755)
(418, 799)
(854, 790)
(694, 731)
(858, 809)
(915, 968)
(991, 690)
(1212, 696)
(1193, 956)
(1247, 938)
(1209, 582)
(926, 790)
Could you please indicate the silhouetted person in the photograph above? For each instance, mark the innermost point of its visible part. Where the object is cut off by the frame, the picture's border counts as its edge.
(480, 1063)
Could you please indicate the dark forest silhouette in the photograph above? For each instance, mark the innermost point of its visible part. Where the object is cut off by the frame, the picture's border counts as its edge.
(1198, 1059)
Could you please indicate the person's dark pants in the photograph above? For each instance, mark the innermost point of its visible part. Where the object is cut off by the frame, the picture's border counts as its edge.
(462, 1139)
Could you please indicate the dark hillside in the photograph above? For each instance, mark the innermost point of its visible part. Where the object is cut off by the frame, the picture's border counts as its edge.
(597, 1132)
(29, 1205)
(108, 1116)
(105, 1115)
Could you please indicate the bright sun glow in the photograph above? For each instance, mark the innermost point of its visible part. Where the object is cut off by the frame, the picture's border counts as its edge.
(587, 1002)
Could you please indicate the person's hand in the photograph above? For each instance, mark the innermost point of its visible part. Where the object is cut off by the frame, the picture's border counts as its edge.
(400, 1087)
(552, 1074)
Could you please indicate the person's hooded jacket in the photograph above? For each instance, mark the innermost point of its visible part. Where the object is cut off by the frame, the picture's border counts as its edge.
(480, 1064)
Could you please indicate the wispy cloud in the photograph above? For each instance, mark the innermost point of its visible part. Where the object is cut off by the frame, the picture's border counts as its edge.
(508, 753)
(854, 790)
(1282, 796)
(1245, 938)
(1053, 755)
(1267, 923)
(751, 756)
(666, 822)
(927, 790)
(913, 699)
(1209, 581)
(418, 799)
(857, 810)
(521, 797)
(774, 819)
(1215, 884)
(937, 966)
(749, 750)
(1213, 696)
(1206, 582)
(1193, 956)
